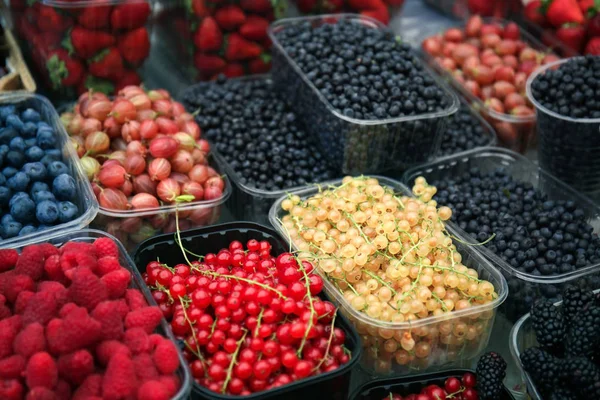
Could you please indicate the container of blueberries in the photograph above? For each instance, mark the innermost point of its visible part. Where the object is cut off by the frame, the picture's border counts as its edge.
(257, 141)
(44, 192)
(540, 233)
(568, 115)
(376, 107)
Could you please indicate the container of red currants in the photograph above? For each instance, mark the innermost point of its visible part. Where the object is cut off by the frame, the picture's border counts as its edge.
(262, 327)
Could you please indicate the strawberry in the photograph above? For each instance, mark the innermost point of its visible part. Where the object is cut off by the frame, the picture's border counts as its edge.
(120, 381)
(96, 85)
(96, 17)
(197, 8)
(208, 64)
(105, 247)
(147, 318)
(255, 28)
(76, 367)
(107, 64)
(572, 35)
(134, 46)
(50, 20)
(587, 6)
(166, 357)
(8, 259)
(153, 390)
(41, 371)
(306, 6)
(85, 43)
(362, 5)
(593, 47)
(230, 17)
(128, 78)
(332, 6)
(560, 12)
(30, 340)
(131, 14)
(91, 387)
(593, 27)
(208, 37)
(11, 389)
(533, 12)
(256, 6)
(381, 14)
(485, 8)
(237, 48)
(63, 70)
(12, 367)
(260, 65)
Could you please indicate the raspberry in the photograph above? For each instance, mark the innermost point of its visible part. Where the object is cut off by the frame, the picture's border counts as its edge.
(30, 340)
(53, 335)
(73, 261)
(78, 247)
(119, 380)
(69, 308)
(116, 282)
(41, 308)
(61, 295)
(48, 250)
(31, 262)
(63, 390)
(41, 371)
(166, 357)
(12, 367)
(107, 314)
(75, 367)
(147, 318)
(107, 349)
(153, 390)
(41, 393)
(137, 340)
(22, 301)
(107, 264)
(8, 259)
(11, 390)
(78, 330)
(16, 284)
(53, 269)
(144, 367)
(122, 308)
(171, 383)
(135, 299)
(9, 328)
(4, 310)
(106, 247)
(89, 388)
(86, 289)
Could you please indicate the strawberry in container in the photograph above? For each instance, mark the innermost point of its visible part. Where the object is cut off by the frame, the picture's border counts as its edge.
(380, 10)
(81, 45)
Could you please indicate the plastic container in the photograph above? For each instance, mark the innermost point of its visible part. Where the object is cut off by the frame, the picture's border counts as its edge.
(84, 44)
(380, 389)
(333, 385)
(376, 361)
(568, 147)
(356, 146)
(524, 287)
(522, 337)
(90, 235)
(85, 201)
(514, 132)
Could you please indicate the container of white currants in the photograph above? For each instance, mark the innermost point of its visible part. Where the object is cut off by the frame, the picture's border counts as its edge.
(419, 298)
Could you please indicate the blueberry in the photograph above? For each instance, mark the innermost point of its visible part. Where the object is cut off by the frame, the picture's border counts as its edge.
(9, 172)
(27, 229)
(39, 187)
(5, 195)
(57, 168)
(31, 115)
(67, 211)
(55, 153)
(64, 187)
(34, 153)
(16, 197)
(23, 210)
(4, 149)
(7, 110)
(15, 158)
(40, 196)
(14, 121)
(7, 134)
(18, 182)
(464, 132)
(35, 170)
(46, 138)
(6, 218)
(29, 130)
(10, 229)
(43, 126)
(47, 212)
(49, 159)
(18, 144)
(30, 142)
(2, 180)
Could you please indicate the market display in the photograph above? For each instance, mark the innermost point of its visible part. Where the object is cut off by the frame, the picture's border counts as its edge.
(380, 10)
(465, 131)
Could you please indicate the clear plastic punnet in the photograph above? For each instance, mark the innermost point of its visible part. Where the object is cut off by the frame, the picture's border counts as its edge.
(85, 199)
(356, 146)
(446, 347)
(524, 287)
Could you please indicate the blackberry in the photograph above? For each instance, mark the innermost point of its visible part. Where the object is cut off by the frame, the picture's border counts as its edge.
(583, 377)
(491, 370)
(574, 300)
(583, 338)
(543, 368)
(464, 132)
(549, 326)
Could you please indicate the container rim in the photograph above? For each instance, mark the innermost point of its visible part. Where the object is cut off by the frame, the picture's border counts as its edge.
(483, 152)
(540, 107)
(89, 3)
(502, 291)
(356, 18)
(87, 197)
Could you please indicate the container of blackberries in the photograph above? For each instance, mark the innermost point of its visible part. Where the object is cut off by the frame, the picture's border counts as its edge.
(557, 348)
(363, 94)
(43, 189)
(565, 95)
(246, 261)
(257, 140)
(538, 231)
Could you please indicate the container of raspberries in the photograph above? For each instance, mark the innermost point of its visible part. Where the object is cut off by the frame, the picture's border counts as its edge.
(77, 321)
(538, 231)
(418, 298)
(365, 96)
(488, 61)
(147, 162)
(564, 95)
(43, 190)
(81, 45)
(556, 347)
(259, 143)
(382, 10)
(262, 328)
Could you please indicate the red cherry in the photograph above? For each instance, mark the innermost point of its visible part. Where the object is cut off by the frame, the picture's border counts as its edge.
(469, 380)
(452, 385)
(470, 394)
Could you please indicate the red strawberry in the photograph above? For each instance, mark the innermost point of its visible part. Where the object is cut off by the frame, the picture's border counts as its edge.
(41, 371)
(230, 17)
(128, 78)
(144, 367)
(50, 20)
(116, 282)
(109, 348)
(257, 6)
(134, 46)
(11, 389)
(593, 47)
(533, 12)
(12, 367)
(107, 64)
(135, 299)
(260, 65)
(587, 6)
(31, 262)
(238, 48)
(86, 42)
(91, 387)
(63, 71)
(381, 14)
(333, 6)
(362, 5)
(137, 340)
(306, 6)
(572, 35)
(208, 64)
(131, 14)
(208, 37)
(76, 367)
(166, 357)
(198, 8)
(484, 8)
(87, 290)
(8, 259)
(147, 318)
(593, 28)
(153, 390)
(106, 313)
(96, 85)
(233, 70)
(96, 17)
(255, 28)
(105, 247)
(119, 380)
(560, 12)
(30, 340)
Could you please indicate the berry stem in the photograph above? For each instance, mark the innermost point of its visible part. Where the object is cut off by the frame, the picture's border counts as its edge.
(328, 342)
(233, 361)
(196, 351)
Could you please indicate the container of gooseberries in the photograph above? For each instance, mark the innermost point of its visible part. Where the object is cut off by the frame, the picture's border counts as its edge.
(524, 287)
(333, 384)
(395, 339)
